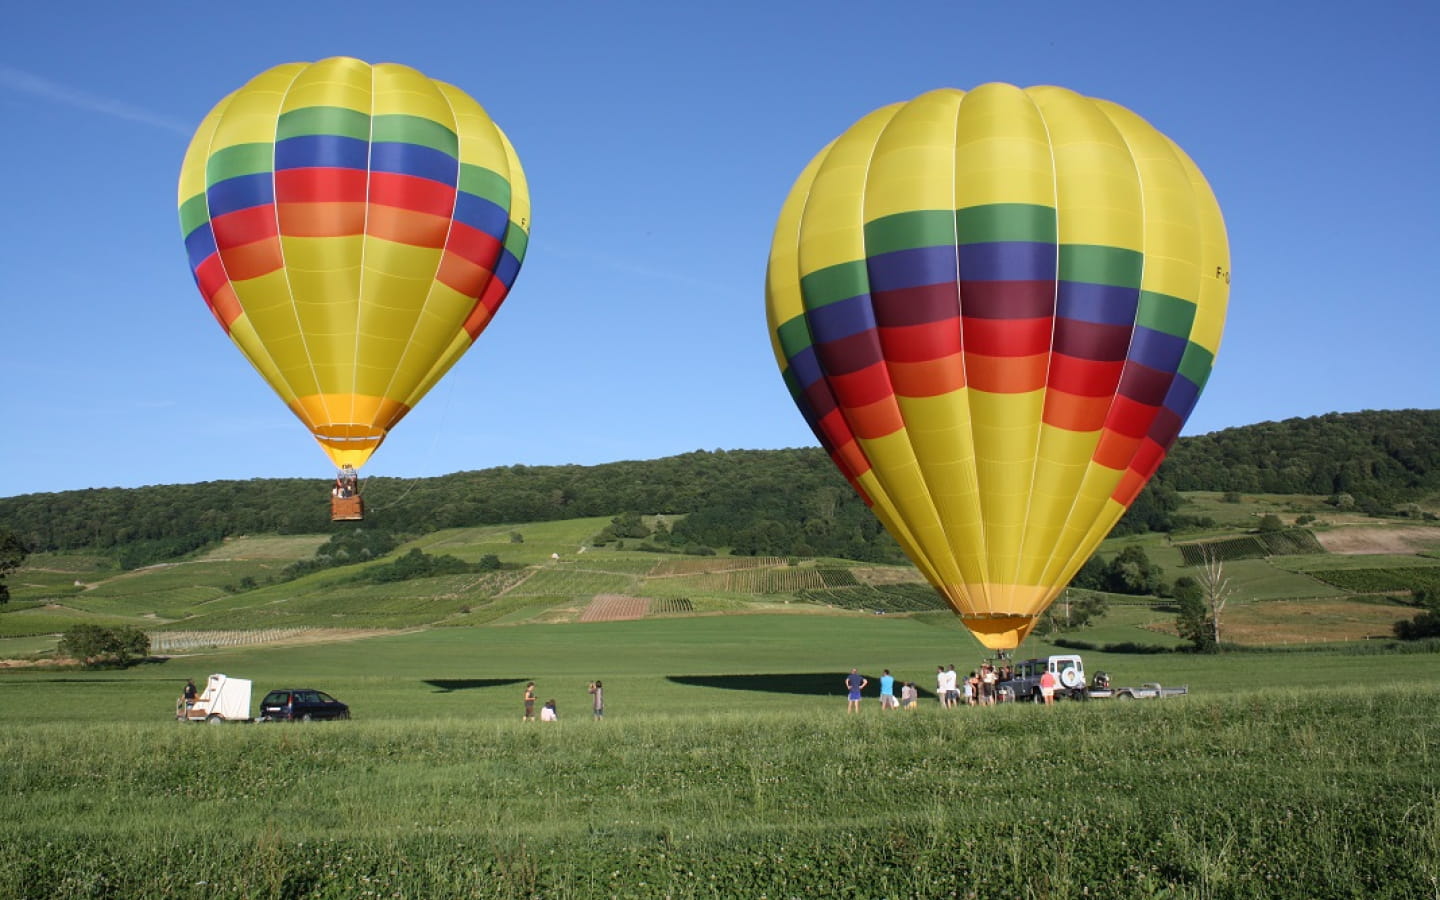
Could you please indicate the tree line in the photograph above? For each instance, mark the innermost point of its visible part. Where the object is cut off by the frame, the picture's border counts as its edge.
(758, 502)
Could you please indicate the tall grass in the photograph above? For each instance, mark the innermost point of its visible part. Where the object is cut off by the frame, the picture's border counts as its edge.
(1281, 794)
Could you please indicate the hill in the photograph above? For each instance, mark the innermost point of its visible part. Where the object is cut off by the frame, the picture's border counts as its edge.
(755, 502)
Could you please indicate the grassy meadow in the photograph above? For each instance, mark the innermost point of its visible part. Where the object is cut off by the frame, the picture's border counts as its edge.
(1302, 764)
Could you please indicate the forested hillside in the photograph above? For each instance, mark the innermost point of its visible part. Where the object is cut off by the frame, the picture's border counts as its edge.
(765, 502)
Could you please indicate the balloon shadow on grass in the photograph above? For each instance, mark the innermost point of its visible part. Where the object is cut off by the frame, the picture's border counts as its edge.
(446, 685)
(814, 684)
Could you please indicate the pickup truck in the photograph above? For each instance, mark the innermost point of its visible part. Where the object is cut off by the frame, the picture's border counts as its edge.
(1101, 689)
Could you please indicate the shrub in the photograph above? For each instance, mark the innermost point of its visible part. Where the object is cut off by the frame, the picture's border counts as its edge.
(96, 646)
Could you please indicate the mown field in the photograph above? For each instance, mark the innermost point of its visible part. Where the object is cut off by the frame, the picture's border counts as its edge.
(726, 766)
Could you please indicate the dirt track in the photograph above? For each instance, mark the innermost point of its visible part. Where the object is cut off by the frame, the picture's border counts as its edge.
(1380, 539)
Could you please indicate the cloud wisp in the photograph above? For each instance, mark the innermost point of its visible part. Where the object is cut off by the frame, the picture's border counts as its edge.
(32, 85)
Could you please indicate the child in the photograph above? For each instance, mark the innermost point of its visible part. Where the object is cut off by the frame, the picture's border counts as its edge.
(548, 713)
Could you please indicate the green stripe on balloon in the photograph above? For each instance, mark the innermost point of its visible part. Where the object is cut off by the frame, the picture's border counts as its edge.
(1096, 264)
(835, 283)
(241, 159)
(996, 222)
(326, 120)
(424, 132)
(1162, 312)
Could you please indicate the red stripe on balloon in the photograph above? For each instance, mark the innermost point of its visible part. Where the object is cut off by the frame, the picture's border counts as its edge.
(862, 388)
(210, 277)
(474, 245)
(463, 276)
(1008, 337)
(1086, 377)
(225, 305)
(321, 185)
(419, 195)
(921, 343)
(244, 226)
(1129, 417)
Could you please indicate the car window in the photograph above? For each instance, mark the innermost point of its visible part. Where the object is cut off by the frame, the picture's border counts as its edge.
(324, 697)
(307, 697)
(275, 698)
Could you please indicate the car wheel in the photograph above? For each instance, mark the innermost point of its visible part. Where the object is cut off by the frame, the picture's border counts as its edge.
(214, 720)
(305, 718)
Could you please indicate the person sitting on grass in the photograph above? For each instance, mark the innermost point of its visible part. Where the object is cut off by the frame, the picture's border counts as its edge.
(548, 713)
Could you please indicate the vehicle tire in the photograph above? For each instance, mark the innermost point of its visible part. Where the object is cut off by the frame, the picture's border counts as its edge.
(306, 718)
(214, 720)
(1125, 696)
(1071, 678)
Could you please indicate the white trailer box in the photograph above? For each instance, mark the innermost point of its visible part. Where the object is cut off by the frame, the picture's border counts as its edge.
(225, 699)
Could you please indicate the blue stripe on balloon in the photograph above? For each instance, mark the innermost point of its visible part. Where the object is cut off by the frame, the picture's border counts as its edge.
(915, 267)
(481, 214)
(806, 367)
(328, 151)
(413, 159)
(1102, 304)
(200, 245)
(1157, 349)
(836, 321)
(240, 192)
(1007, 261)
(507, 267)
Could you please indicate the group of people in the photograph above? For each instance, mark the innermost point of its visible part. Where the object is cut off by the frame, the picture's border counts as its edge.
(976, 689)
(550, 713)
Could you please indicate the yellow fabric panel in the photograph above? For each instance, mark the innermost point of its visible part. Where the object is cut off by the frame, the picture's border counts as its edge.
(519, 187)
(192, 169)
(1172, 233)
(1002, 150)
(481, 143)
(434, 331)
(783, 300)
(1097, 187)
(913, 165)
(831, 224)
(1005, 434)
(339, 81)
(901, 482)
(1064, 460)
(249, 114)
(1215, 262)
(244, 336)
(400, 90)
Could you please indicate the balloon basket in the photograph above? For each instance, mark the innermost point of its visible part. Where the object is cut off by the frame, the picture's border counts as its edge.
(347, 509)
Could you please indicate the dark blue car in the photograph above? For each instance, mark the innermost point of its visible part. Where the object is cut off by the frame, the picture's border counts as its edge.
(301, 705)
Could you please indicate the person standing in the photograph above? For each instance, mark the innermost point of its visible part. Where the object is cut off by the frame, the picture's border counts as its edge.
(887, 692)
(529, 702)
(1047, 687)
(597, 696)
(855, 683)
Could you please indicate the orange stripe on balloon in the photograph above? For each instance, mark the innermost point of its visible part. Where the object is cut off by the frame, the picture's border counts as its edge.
(851, 460)
(403, 226)
(1115, 450)
(1129, 488)
(252, 260)
(462, 275)
(321, 219)
(875, 420)
(225, 305)
(928, 379)
(1074, 412)
(1148, 458)
(1006, 374)
(495, 293)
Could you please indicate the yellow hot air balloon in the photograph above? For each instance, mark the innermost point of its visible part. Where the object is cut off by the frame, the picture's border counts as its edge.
(996, 309)
(353, 228)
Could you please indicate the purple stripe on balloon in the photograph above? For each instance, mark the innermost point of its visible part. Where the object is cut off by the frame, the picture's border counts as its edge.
(850, 354)
(917, 305)
(1007, 299)
(805, 367)
(1157, 349)
(1100, 303)
(1182, 396)
(911, 268)
(839, 320)
(1007, 261)
(1144, 384)
(1166, 428)
(1089, 340)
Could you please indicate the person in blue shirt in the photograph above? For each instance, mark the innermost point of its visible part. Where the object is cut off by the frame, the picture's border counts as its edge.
(887, 692)
(855, 682)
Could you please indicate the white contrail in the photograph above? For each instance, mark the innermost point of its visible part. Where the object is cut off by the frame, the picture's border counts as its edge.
(27, 83)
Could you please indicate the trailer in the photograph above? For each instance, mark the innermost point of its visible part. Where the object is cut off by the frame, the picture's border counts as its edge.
(224, 699)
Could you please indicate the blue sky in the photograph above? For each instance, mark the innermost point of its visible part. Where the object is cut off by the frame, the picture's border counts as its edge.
(659, 140)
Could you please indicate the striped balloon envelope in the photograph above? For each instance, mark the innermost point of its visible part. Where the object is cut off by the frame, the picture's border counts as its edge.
(996, 309)
(353, 228)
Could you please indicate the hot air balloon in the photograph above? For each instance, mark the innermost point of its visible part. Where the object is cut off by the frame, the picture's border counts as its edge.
(353, 228)
(996, 309)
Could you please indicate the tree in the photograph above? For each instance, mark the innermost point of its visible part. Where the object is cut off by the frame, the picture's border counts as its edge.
(1215, 588)
(1191, 621)
(1427, 623)
(12, 555)
(1271, 522)
(96, 646)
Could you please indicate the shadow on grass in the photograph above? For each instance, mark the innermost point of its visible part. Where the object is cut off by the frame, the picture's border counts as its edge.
(446, 685)
(816, 684)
